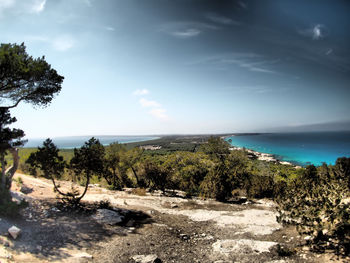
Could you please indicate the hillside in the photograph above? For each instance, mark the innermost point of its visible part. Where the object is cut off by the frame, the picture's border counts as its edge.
(174, 229)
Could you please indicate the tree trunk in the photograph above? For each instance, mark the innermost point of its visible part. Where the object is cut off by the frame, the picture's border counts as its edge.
(86, 187)
(10, 172)
(135, 174)
(56, 187)
(3, 173)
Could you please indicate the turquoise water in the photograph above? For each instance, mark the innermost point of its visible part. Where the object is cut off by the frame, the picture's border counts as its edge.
(78, 141)
(298, 148)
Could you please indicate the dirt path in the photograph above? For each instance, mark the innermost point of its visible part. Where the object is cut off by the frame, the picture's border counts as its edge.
(173, 229)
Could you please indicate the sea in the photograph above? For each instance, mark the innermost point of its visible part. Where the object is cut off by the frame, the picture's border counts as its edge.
(71, 142)
(298, 148)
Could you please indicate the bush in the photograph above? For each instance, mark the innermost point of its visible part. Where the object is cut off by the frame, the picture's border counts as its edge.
(18, 180)
(158, 176)
(260, 186)
(7, 206)
(318, 203)
(216, 184)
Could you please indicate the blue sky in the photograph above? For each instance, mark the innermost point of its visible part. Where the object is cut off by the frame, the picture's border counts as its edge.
(158, 67)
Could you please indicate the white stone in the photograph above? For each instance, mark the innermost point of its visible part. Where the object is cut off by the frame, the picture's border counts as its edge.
(106, 216)
(242, 246)
(255, 221)
(146, 259)
(14, 231)
(83, 255)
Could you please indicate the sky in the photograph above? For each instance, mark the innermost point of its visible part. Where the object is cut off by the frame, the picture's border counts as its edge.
(142, 67)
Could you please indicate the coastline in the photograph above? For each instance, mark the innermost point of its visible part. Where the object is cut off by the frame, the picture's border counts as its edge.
(71, 142)
(265, 156)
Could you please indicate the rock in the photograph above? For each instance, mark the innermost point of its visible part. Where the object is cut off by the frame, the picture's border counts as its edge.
(83, 255)
(307, 238)
(106, 216)
(184, 236)
(242, 246)
(14, 231)
(26, 190)
(173, 205)
(131, 229)
(55, 209)
(146, 259)
(130, 223)
(305, 248)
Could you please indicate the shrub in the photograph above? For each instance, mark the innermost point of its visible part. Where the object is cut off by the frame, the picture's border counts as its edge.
(7, 206)
(318, 204)
(18, 180)
(260, 186)
(216, 184)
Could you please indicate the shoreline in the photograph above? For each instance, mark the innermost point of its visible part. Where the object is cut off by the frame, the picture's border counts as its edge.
(71, 142)
(265, 156)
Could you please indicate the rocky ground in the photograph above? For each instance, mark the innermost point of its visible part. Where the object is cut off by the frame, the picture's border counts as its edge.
(150, 228)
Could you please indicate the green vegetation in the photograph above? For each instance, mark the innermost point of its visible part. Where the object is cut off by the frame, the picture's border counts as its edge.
(22, 78)
(318, 202)
(316, 199)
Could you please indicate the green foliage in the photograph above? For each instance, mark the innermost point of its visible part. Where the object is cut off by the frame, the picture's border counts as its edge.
(132, 159)
(24, 78)
(216, 184)
(216, 148)
(7, 206)
(316, 199)
(115, 170)
(228, 173)
(171, 144)
(48, 160)
(19, 181)
(9, 138)
(190, 170)
(87, 161)
(89, 158)
(157, 176)
(318, 202)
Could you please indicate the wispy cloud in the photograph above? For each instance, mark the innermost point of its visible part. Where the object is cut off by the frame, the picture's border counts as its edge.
(250, 61)
(110, 28)
(87, 2)
(20, 7)
(257, 89)
(186, 33)
(186, 29)
(315, 32)
(159, 113)
(38, 6)
(221, 19)
(329, 51)
(5, 4)
(243, 4)
(59, 43)
(63, 43)
(140, 92)
(156, 109)
(148, 103)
